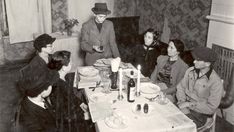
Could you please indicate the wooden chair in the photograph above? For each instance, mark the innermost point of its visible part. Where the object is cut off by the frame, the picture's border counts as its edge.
(228, 98)
(209, 125)
(17, 126)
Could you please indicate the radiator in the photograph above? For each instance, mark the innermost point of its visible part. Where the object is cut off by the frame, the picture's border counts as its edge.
(224, 63)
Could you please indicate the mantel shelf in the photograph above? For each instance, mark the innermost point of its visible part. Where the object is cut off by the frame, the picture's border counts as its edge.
(222, 19)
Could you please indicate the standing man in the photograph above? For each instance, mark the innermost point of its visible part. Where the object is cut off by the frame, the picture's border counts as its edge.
(200, 91)
(98, 36)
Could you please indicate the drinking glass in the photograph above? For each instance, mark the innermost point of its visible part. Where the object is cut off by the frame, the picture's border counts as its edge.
(106, 86)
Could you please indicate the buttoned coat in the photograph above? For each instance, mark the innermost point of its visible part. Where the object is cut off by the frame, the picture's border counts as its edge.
(91, 36)
(205, 91)
(177, 70)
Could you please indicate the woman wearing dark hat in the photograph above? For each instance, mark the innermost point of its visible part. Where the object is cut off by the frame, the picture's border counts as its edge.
(146, 54)
(38, 65)
(36, 113)
(98, 36)
(66, 102)
(170, 69)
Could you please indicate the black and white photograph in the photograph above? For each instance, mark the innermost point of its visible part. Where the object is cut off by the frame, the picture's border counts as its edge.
(116, 66)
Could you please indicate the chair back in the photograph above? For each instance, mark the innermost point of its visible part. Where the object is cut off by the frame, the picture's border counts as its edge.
(228, 99)
(209, 125)
(17, 126)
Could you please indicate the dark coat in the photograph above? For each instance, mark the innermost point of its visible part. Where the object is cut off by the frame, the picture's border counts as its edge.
(147, 58)
(90, 36)
(34, 118)
(67, 106)
(36, 67)
(31, 72)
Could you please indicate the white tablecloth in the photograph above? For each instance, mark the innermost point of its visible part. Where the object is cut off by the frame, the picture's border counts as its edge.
(69, 43)
(165, 118)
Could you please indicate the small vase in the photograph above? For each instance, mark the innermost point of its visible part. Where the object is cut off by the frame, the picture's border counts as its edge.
(69, 32)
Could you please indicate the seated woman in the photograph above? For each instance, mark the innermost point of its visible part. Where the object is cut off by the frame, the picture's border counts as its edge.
(146, 54)
(66, 102)
(170, 69)
(36, 114)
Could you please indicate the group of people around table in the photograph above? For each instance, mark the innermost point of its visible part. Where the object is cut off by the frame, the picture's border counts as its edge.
(47, 93)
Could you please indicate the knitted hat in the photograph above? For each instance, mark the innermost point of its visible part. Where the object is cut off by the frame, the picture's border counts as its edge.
(204, 54)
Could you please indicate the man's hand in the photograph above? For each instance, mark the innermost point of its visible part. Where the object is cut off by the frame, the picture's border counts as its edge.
(98, 49)
(190, 105)
(84, 107)
(185, 111)
(184, 105)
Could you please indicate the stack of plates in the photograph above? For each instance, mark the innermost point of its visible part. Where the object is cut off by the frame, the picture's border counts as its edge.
(89, 74)
(88, 71)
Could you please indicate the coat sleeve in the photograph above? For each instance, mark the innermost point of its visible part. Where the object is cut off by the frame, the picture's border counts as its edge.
(180, 93)
(85, 45)
(153, 76)
(113, 45)
(33, 125)
(216, 92)
(181, 73)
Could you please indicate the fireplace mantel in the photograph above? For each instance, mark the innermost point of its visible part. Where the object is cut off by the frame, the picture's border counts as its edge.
(219, 18)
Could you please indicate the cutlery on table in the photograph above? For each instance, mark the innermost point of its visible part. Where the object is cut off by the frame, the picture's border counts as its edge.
(97, 85)
(153, 98)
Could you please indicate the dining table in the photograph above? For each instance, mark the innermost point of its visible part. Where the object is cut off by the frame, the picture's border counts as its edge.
(113, 114)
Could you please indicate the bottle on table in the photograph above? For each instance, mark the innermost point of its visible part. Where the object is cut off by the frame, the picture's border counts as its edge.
(131, 88)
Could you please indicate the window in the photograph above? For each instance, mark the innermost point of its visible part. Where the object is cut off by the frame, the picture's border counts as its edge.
(21, 19)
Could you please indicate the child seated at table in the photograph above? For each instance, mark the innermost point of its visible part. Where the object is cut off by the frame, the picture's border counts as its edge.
(36, 113)
(66, 102)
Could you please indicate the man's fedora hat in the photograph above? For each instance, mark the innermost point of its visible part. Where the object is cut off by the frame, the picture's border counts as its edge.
(100, 8)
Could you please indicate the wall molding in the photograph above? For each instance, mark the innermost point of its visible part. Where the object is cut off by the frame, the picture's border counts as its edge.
(219, 18)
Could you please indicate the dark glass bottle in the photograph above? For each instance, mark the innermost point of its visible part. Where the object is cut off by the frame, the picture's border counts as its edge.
(114, 80)
(131, 88)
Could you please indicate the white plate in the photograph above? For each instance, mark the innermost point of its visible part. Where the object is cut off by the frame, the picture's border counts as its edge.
(141, 111)
(98, 97)
(103, 62)
(101, 65)
(116, 121)
(88, 71)
(149, 88)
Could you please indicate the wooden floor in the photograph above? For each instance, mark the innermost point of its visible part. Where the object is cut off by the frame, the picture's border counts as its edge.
(9, 97)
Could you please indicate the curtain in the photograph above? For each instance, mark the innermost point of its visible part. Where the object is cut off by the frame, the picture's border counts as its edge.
(28, 17)
(45, 19)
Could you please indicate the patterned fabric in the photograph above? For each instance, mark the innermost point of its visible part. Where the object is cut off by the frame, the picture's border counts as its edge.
(165, 74)
(186, 17)
(177, 70)
(59, 13)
